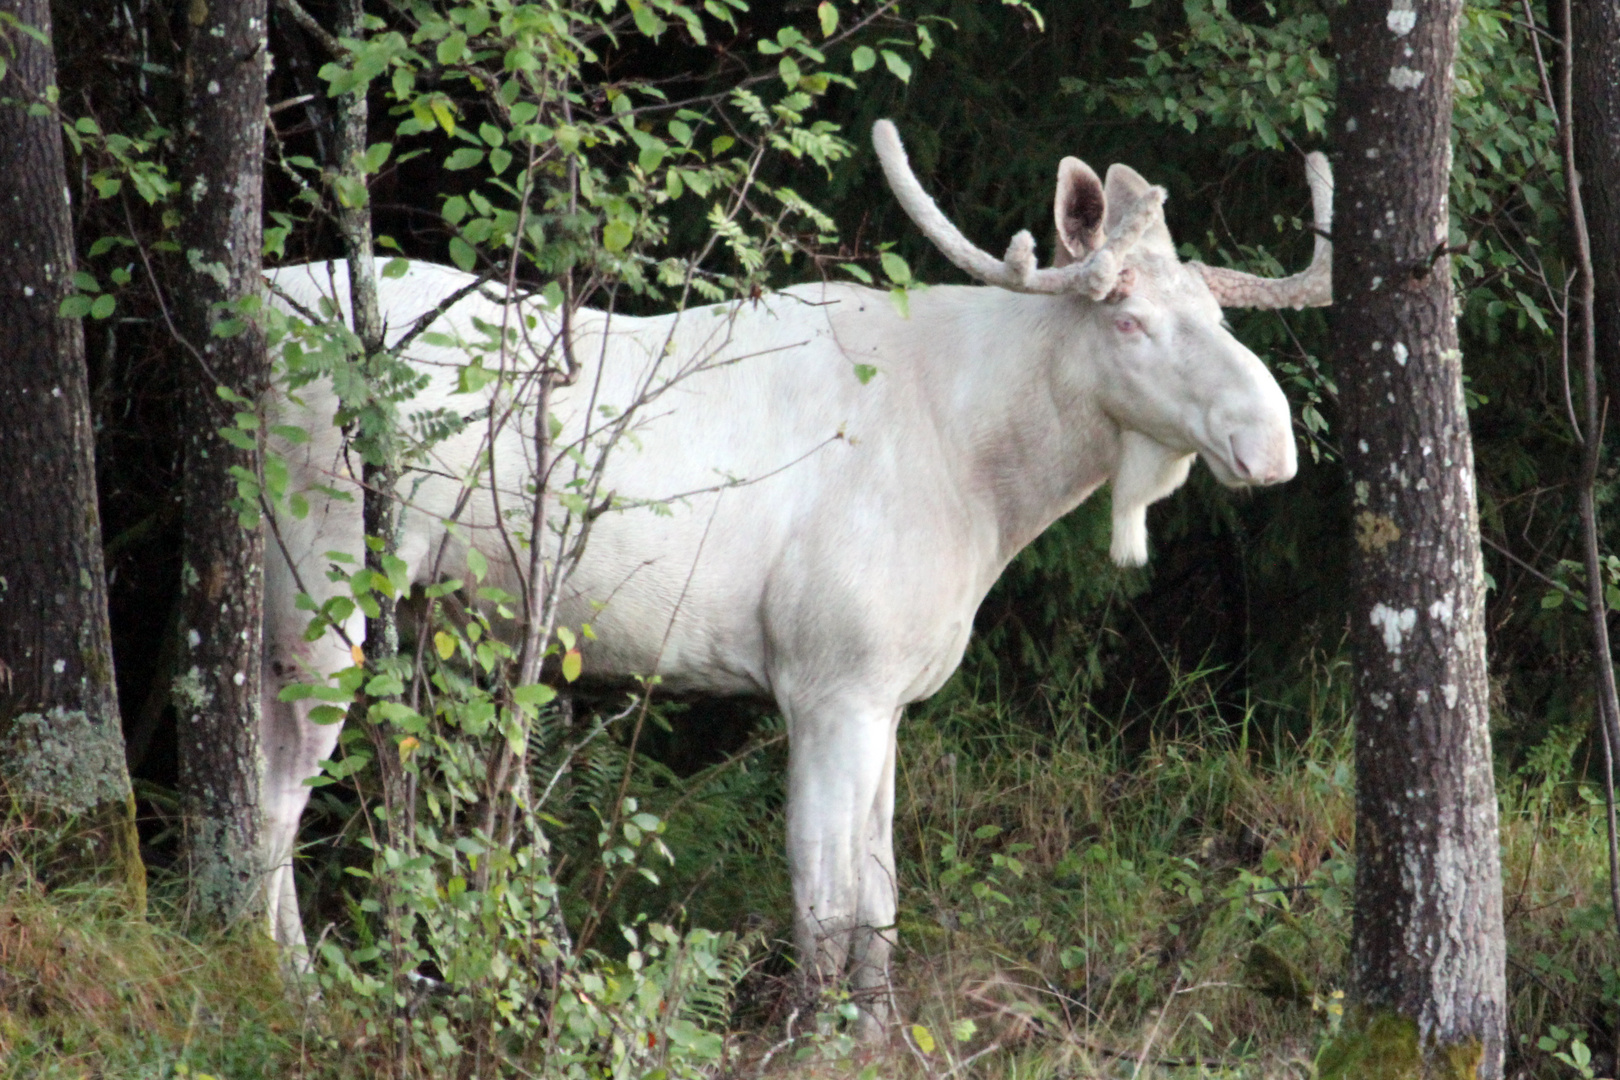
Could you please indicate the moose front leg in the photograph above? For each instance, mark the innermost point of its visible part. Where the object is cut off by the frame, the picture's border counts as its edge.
(874, 936)
(839, 814)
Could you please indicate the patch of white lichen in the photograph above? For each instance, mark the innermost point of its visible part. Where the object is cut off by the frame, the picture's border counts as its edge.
(66, 759)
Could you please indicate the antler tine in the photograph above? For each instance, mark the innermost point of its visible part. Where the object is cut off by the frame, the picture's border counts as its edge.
(1311, 287)
(927, 216)
(1095, 277)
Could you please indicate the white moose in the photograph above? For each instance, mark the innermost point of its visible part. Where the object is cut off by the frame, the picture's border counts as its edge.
(820, 540)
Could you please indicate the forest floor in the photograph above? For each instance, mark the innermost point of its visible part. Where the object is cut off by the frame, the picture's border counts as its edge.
(1071, 907)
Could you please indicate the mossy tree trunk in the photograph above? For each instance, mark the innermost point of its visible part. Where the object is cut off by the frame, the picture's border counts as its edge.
(61, 744)
(1428, 943)
(217, 694)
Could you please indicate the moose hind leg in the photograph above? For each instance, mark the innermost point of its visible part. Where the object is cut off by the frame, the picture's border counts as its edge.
(293, 749)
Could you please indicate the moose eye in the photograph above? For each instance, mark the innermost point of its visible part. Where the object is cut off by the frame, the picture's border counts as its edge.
(1127, 325)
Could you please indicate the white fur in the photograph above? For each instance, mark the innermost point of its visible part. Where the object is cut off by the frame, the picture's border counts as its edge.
(827, 542)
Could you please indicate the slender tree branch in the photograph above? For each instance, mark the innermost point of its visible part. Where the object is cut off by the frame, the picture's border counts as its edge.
(311, 26)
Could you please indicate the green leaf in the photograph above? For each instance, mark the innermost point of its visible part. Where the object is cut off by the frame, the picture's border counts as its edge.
(473, 378)
(103, 306)
(648, 22)
(829, 18)
(572, 663)
(464, 157)
(864, 373)
(788, 68)
(651, 156)
(455, 208)
(396, 268)
(616, 235)
(452, 48)
(462, 254)
(1532, 309)
(895, 268)
(477, 564)
(923, 1038)
(897, 65)
(377, 156)
(859, 273)
(862, 59)
(76, 306)
(536, 694)
(327, 714)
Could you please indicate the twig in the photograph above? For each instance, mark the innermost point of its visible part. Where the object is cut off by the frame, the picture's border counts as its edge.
(1521, 564)
(313, 28)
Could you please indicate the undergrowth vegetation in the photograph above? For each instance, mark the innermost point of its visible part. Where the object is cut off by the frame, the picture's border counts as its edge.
(1071, 905)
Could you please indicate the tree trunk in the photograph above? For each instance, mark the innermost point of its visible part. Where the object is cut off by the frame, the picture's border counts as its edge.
(222, 576)
(1595, 25)
(61, 745)
(1428, 944)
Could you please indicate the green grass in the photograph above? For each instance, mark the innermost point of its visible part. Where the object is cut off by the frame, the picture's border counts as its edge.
(1070, 907)
(88, 989)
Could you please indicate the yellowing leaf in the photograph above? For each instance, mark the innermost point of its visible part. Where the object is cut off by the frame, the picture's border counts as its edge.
(829, 18)
(446, 118)
(445, 644)
(616, 235)
(357, 654)
(571, 664)
(407, 747)
(923, 1038)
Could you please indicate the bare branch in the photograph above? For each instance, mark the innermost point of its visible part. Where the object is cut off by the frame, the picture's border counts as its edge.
(313, 28)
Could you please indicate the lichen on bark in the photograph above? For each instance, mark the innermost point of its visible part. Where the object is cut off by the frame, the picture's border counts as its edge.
(65, 757)
(66, 771)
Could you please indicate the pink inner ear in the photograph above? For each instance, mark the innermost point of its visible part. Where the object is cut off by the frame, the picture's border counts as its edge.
(1078, 211)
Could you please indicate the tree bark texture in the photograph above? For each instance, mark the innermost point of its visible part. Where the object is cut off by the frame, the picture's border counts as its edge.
(222, 580)
(1590, 109)
(1595, 25)
(61, 744)
(1428, 943)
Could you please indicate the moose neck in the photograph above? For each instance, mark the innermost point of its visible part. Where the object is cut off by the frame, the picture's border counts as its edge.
(1016, 385)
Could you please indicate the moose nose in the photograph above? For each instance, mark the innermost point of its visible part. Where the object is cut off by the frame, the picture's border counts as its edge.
(1262, 460)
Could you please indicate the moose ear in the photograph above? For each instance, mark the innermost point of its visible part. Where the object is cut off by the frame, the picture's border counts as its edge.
(1078, 209)
(1121, 191)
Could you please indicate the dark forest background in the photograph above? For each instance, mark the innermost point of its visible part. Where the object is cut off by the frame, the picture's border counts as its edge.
(1246, 587)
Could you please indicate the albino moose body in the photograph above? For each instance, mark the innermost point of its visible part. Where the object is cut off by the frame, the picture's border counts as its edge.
(822, 542)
